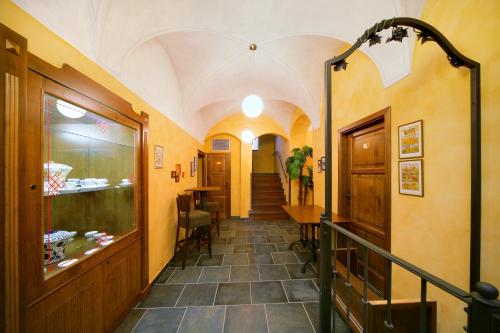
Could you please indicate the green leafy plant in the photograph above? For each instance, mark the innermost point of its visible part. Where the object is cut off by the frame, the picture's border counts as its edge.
(295, 168)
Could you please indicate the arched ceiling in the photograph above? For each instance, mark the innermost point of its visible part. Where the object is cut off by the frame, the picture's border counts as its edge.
(190, 58)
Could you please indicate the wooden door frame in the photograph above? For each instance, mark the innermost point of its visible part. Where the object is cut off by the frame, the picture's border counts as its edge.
(204, 176)
(228, 168)
(384, 116)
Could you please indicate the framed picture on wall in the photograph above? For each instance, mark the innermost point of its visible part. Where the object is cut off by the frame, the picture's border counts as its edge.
(323, 163)
(193, 170)
(411, 177)
(178, 170)
(320, 167)
(411, 140)
(195, 164)
(158, 157)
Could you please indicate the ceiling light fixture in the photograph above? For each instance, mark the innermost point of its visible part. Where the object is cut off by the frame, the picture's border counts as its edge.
(69, 110)
(247, 136)
(252, 106)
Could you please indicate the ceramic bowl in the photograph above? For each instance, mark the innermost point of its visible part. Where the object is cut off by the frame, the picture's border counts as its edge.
(52, 169)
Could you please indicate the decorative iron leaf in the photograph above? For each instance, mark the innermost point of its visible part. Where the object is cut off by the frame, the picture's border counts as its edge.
(455, 62)
(398, 34)
(341, 65)
(424, 37)
(374, 39)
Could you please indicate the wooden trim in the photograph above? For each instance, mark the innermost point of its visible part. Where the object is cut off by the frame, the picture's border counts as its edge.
(228, 168)
(13, 75)
(144, 199)
(384, 116)
(75, 80)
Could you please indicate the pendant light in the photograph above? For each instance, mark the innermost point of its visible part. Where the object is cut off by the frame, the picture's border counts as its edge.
(252, 105)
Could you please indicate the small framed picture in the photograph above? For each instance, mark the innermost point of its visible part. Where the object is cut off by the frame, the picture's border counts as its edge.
(172, 174)
(193, 169)
(177, 178)
(323, 163)
(178, 169)
(411, 177)
(158, 157)
(320, 167)
(411, 140)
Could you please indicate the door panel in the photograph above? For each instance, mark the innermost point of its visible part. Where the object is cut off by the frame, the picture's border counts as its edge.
(365, 189)
(219, 174)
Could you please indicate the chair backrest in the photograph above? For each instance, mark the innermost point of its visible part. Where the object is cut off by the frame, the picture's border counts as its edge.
(183, 203)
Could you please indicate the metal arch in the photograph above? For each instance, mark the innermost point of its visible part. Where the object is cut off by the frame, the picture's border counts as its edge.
(427, 33)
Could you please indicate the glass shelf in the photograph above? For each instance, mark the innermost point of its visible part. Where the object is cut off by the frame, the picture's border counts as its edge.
(80, 146)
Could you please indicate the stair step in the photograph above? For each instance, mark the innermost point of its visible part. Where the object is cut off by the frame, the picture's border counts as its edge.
(267, 195)
(274, 208)
(268, 202)
(268, 215)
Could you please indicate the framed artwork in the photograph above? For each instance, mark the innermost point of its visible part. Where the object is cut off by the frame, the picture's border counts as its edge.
(411, 177)
(195, 164)
(320, 168)
(158, 157)
(172, 174)
(193, 170)
(177, 178)
(178, 169)
(411, 140)
(323, 163)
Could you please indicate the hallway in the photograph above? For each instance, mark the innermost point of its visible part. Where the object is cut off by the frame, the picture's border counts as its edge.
(252, 283)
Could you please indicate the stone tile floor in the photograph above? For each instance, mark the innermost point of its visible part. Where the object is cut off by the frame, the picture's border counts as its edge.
(253, 283)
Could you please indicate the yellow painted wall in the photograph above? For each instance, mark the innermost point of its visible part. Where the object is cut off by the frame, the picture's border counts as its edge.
(234, 125)
(179, 147)
(263, 160)
(235, 151)
(433, 232)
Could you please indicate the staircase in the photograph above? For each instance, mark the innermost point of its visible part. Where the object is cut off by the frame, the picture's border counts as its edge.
(267, 197)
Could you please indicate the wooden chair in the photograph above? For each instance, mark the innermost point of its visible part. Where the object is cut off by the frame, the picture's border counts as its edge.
(212, 207)
(194, 221)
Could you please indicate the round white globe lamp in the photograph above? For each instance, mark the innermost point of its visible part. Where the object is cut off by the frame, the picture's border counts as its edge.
(252, 106)
(70, 110)
(247, 136)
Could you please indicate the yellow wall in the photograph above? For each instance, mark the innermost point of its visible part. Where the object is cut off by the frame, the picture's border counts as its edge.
(235, 151)
(179, 147)
(234, 125)
(433, 232)
(263, 160)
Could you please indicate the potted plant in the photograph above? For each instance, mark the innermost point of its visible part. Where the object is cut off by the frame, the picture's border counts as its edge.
(295, 168)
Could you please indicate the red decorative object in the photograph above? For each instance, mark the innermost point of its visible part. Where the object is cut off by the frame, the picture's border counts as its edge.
(55, 184)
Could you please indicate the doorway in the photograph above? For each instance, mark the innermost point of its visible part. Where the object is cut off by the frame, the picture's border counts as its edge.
(202, 175)
(365, 186)
(219, 174)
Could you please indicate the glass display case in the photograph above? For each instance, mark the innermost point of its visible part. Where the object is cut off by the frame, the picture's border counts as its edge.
(89, 183)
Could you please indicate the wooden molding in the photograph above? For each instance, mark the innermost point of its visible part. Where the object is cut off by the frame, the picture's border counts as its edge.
(13, 73)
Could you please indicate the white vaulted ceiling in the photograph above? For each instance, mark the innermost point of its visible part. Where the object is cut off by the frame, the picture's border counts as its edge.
(190, 58)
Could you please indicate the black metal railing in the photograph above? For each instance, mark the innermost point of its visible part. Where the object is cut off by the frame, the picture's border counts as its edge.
(482, 306)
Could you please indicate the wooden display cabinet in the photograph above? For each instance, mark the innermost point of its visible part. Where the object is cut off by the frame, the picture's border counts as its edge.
(77, 238)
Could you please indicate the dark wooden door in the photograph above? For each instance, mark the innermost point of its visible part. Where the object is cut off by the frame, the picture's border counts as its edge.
(366, 190)
(219, 174)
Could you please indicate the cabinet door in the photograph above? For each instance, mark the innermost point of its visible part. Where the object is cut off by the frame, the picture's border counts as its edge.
(75, 308)
(122, 282)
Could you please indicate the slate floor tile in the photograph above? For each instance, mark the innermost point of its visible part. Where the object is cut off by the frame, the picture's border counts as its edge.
(312, 309)
(216, 240)
(273, 272)
(301, 290)
(203, 320)
(283, 247)
(244, 273)
(264, 248)
(222, 248)
(256, 240)
(275, 239)
(235, 259)
(190, 260)
(165, 275)
(245, 319)
(290, 317)
(189, 274)
(260, 258)
(130, 321)
(160, 320)
(162, 295)
(205, 260)
(243, 248)
(285, 258)
(237, 240)
(303, 256)
(215, 274)
(295, 271)
(267, 292)
(233, 293)
(197, 294)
